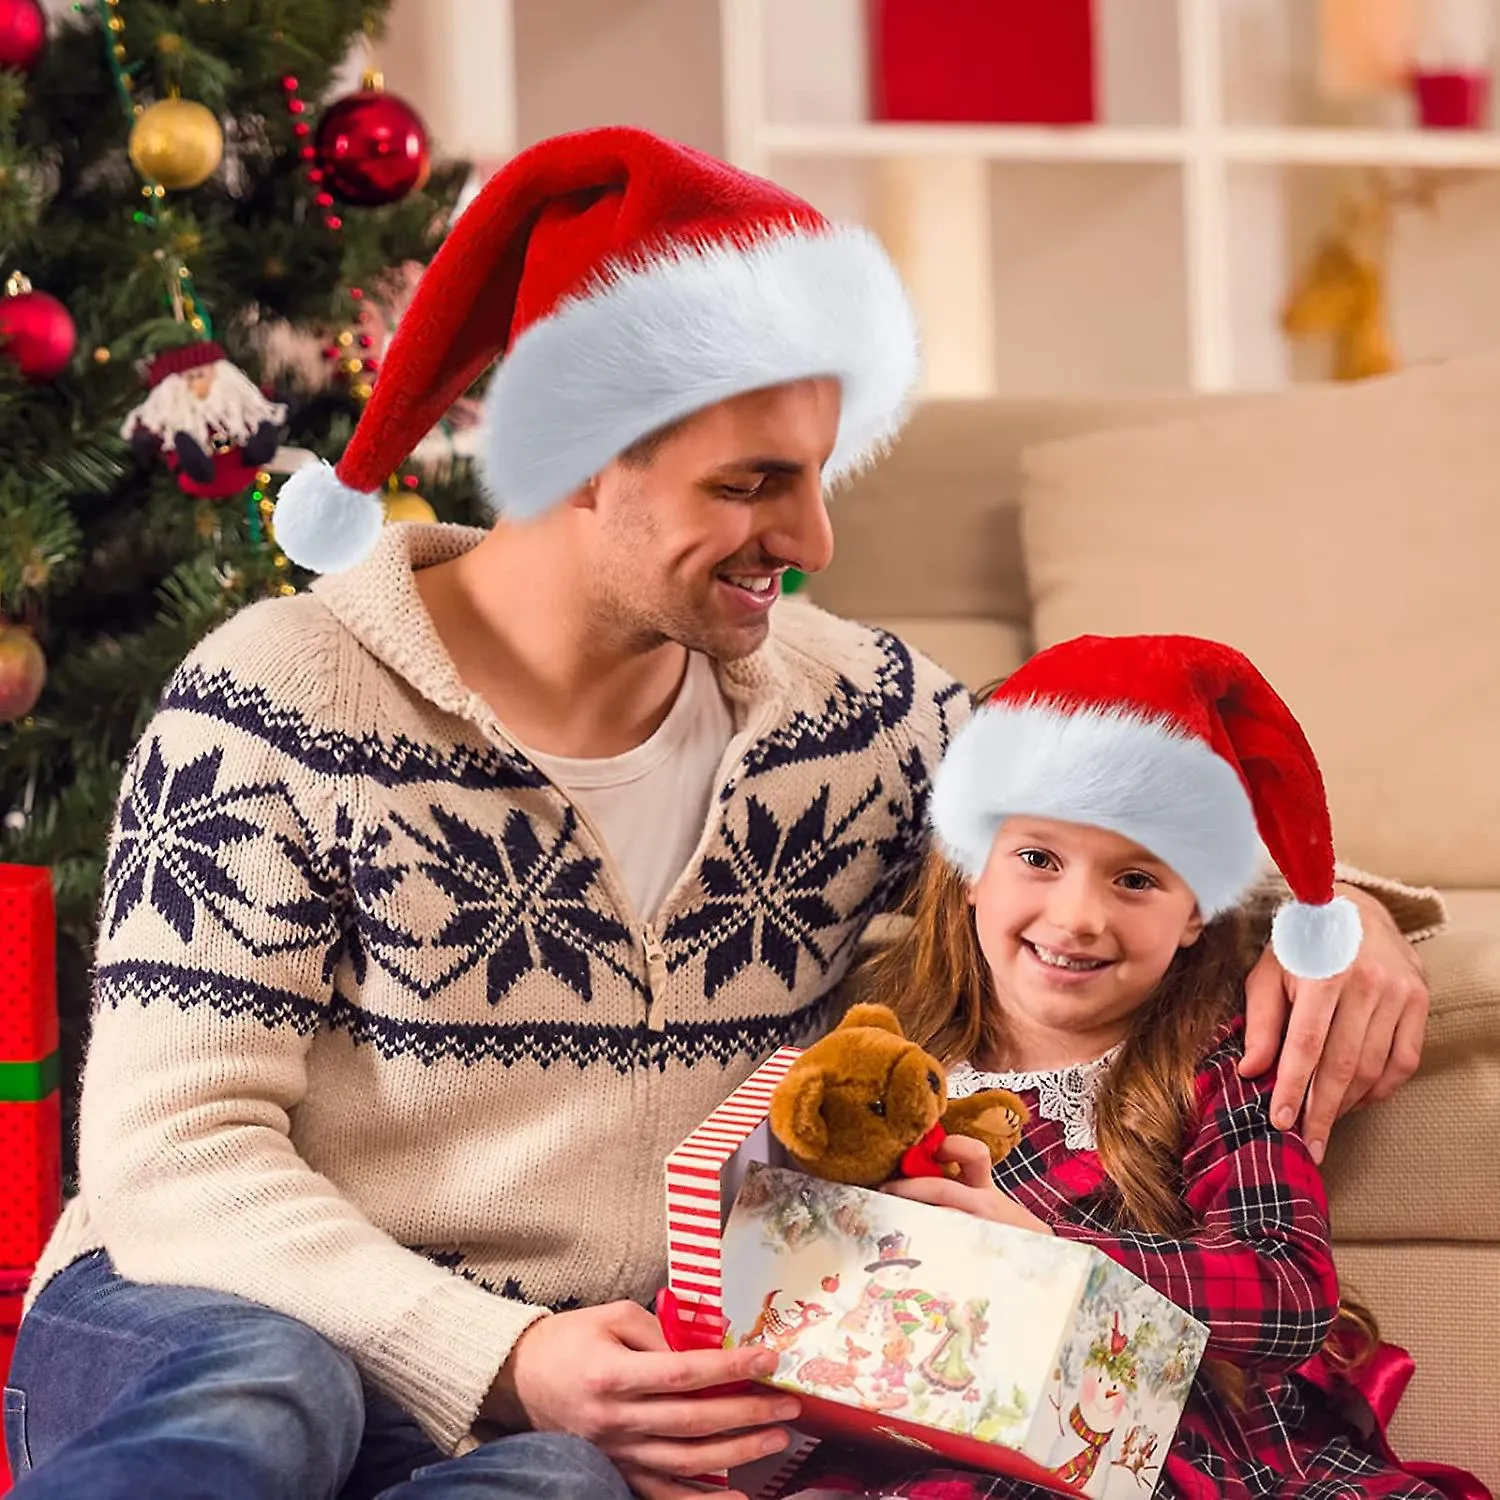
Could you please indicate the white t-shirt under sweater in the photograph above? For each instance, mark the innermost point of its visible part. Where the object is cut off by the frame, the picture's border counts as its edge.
(650, 805)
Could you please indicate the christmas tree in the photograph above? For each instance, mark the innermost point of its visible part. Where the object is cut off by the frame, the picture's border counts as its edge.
(203, 241)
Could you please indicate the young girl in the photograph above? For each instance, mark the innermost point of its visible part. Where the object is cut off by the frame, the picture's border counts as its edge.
(1077, 939)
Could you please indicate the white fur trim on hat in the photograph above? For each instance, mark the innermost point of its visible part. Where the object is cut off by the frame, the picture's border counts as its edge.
(1316, 942)
(649, 345)
(1141, 778)
(323, 525)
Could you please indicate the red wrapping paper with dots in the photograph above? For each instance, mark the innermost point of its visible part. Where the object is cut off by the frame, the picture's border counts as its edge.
(30, 1124)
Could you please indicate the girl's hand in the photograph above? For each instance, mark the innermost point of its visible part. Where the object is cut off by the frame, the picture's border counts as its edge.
(973, 1191)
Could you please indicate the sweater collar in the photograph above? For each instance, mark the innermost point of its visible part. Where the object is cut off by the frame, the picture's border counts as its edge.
(378, 603)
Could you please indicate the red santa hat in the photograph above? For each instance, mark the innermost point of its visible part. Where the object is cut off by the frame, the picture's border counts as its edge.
(627, 281)
(1176, 743)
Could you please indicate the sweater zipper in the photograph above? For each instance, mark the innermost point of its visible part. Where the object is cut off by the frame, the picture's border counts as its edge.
(656, 956)
(656, 964)
(656, 975)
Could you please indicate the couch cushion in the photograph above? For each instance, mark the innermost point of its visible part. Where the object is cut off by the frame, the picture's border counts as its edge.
(1405, 1169)
(933, 529)
(1424, 1297)
(1346, 538)
(1478, 910)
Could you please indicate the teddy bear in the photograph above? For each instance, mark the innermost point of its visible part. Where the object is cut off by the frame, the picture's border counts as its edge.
(865, 1104)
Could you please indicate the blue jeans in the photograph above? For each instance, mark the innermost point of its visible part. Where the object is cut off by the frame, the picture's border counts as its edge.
(119, 1390)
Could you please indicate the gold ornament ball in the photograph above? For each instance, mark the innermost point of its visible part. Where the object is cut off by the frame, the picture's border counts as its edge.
(177, 144)
(23, 672)
(409, 508)
(101, 355)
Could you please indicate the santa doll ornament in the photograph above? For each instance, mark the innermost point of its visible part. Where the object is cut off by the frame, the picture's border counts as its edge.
(213, 423)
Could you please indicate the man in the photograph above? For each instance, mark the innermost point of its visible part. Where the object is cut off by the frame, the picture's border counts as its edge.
(445, 899)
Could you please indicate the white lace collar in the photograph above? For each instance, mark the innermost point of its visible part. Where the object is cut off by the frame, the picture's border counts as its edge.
(1065, 1095)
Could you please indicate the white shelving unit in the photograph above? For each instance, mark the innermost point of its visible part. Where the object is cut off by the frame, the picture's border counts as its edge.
(1151, 250)
(932, 188)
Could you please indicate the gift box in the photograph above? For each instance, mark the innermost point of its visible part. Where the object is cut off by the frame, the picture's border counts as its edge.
(920, 1330)
(982, 61)
(30, 1110)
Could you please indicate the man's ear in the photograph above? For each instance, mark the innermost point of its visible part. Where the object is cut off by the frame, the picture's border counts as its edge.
(586, 496)
(797, 1113)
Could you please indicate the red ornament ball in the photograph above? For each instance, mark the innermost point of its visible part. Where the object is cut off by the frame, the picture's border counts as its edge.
(37, 333)
(373, 149)
(23, 34)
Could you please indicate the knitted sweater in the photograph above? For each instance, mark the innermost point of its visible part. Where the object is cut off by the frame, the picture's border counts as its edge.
(377, 1041)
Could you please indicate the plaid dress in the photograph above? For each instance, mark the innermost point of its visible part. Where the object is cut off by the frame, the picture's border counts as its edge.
(1258, 1272)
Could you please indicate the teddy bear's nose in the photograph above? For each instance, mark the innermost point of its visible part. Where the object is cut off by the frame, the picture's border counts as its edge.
(932, 1081)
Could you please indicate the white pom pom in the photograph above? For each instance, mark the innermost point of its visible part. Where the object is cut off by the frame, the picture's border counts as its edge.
(1316, 942)
(323, 525)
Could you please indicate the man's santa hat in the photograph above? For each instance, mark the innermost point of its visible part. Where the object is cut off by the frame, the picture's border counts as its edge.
(627, 281)
(1175, 743)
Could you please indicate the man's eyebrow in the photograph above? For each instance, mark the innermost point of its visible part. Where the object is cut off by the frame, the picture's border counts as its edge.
(789, 467)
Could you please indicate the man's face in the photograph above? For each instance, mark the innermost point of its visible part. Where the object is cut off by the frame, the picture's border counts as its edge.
(200, 381)
(690, 546)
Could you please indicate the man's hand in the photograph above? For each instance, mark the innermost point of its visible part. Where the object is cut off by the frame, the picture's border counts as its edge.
(1355, 1038)
(606, 1374)
(973, 1191)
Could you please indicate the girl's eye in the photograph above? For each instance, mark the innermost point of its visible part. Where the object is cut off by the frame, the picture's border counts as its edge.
(1038, 859)
(1138, 880)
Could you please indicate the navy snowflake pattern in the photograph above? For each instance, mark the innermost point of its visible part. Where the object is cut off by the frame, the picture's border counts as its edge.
(351, 872)
(174, 831)
(764, 898)
(901, 852)
(522, 903)
(853, 717)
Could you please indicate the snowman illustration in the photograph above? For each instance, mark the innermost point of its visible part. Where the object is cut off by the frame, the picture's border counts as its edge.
(1104, 1390)
(889, 1311)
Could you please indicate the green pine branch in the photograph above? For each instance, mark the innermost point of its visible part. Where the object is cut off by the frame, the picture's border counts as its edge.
(118, 572)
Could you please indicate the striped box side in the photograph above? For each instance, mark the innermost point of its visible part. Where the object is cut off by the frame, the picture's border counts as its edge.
(695, 1183)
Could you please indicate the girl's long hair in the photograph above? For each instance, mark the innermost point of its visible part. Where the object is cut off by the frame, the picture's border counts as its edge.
(935, 977)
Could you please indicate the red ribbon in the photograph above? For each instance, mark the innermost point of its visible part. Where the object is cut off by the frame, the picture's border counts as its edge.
(921, 1160)
(1379, 1384)
(688, 1326)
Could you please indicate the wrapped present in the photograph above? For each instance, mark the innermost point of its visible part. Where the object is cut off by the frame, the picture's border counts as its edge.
(920, 1330)
(30, 1121)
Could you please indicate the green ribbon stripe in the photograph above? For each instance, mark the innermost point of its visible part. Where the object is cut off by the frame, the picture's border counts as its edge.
(26, 1082)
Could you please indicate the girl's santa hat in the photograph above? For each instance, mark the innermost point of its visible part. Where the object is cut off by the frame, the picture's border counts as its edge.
(627, 281)
(1176, 743)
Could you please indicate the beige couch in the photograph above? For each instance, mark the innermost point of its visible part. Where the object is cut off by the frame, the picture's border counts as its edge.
(1348, 539)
